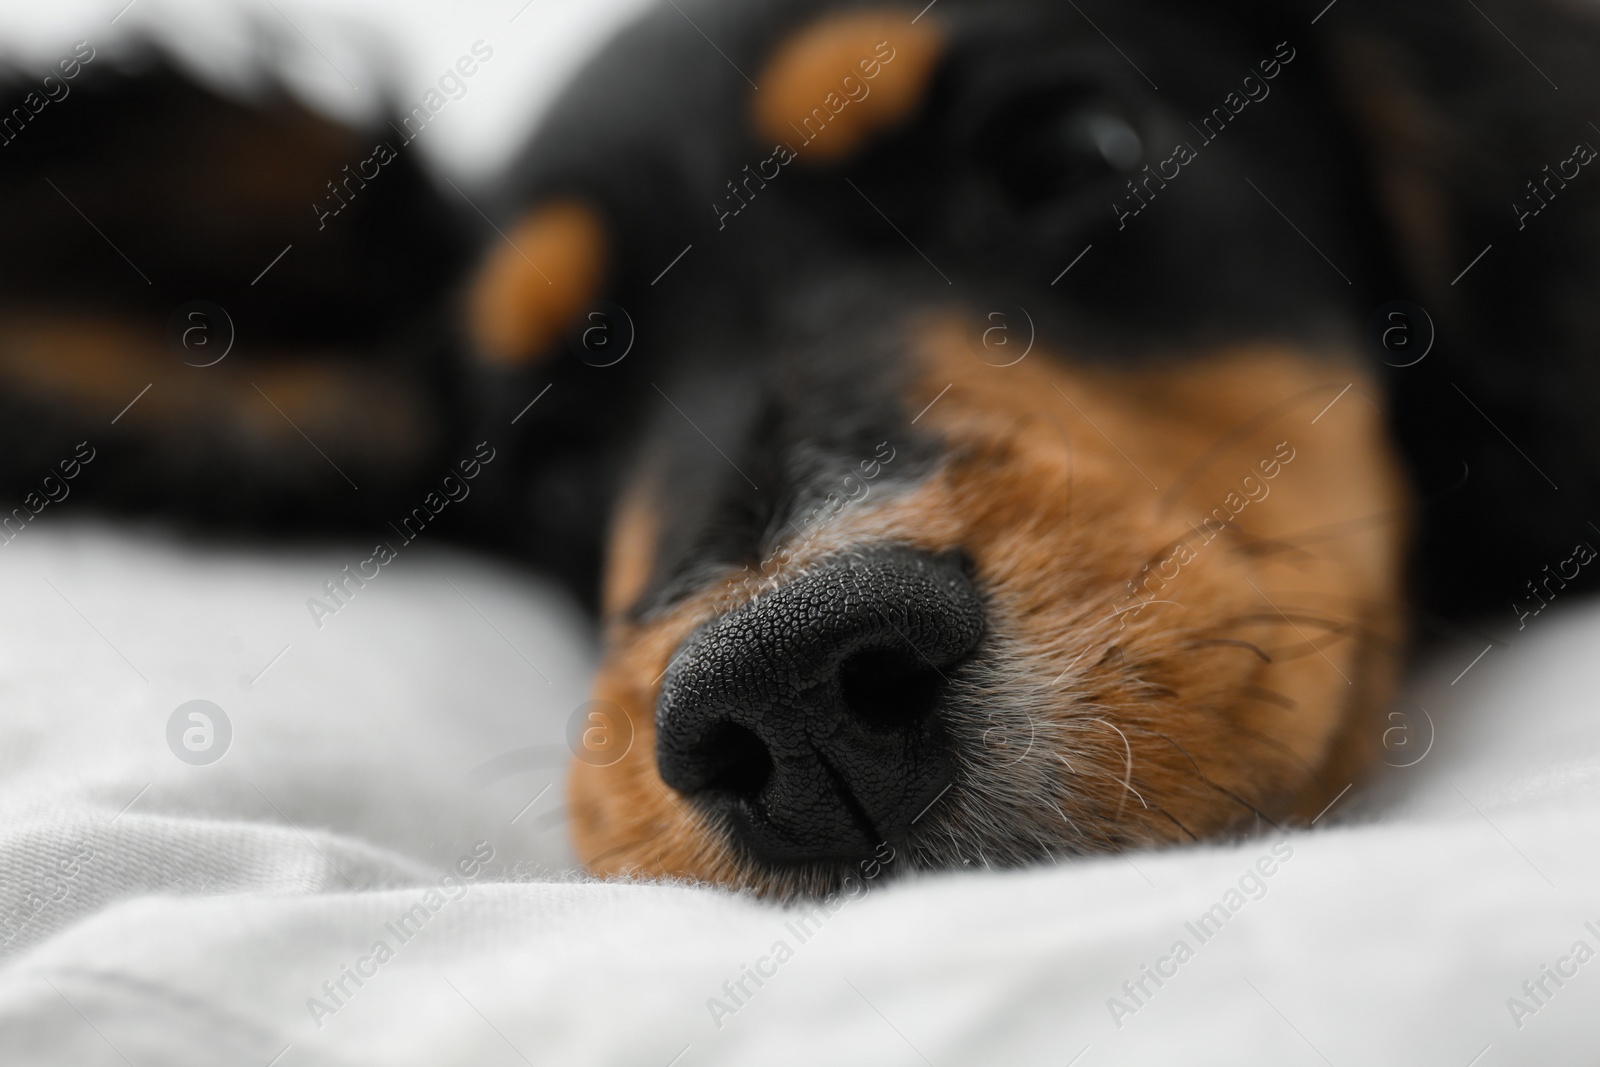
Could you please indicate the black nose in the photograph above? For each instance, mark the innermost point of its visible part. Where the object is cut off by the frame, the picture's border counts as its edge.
(809, 719)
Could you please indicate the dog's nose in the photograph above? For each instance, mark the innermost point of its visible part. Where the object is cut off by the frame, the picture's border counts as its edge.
(809, 719)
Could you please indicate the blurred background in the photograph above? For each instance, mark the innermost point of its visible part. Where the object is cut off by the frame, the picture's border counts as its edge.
(344, 57)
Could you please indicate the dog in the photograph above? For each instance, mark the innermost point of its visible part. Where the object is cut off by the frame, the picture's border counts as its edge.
(989, 432)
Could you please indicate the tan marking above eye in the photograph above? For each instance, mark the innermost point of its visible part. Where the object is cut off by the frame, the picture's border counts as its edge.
(532, 286)
(841, 80)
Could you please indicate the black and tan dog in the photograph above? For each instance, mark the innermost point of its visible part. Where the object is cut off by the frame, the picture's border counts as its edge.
(997, 419)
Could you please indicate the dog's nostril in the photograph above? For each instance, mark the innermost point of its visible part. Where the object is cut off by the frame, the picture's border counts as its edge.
(888, 689)
(736, 760)
(810, 721)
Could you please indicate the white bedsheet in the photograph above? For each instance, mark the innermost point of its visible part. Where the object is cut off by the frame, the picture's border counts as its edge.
(193, 914)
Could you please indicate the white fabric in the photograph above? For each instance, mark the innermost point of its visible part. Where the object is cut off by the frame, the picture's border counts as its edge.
(198, 924)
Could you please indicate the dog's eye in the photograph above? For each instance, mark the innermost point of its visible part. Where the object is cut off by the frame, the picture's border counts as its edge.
(1043, 148)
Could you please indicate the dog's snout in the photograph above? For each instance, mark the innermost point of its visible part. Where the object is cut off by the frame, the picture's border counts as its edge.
(810, 718)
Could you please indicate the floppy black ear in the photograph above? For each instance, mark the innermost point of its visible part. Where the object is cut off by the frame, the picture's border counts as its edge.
(1477, 121)
(147, 223)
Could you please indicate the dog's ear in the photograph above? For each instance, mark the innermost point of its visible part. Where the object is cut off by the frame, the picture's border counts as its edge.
(1477, 127)
(147, 222)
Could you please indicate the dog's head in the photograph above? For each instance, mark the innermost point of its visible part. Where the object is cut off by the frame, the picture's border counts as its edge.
(993, 464)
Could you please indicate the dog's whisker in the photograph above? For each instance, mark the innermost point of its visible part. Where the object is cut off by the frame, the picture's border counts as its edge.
(1234, 642)
(1173, 819)
(1235, 435)
(1230, 794)
(1273, 742)
(1269, 696)
(1127, 777)
(1291, 616)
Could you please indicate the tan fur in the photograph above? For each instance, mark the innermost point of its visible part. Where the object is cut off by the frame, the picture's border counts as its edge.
(624, 818)
(93, 366)
(1251, 691)
(534, 285)
(808, 72)
(630, 554)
